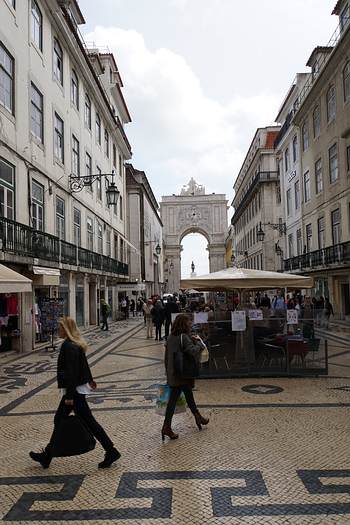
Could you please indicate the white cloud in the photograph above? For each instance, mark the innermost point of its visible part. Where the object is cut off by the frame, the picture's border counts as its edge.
(177, 130)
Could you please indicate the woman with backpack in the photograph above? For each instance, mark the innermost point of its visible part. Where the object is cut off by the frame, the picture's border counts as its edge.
(180, 340)
(75, 378)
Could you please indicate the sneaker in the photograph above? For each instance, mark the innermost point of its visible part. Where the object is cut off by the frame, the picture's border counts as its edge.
(110, 457)
(41, 457)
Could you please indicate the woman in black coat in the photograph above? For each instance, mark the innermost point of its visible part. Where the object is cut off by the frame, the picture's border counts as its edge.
(75, 378)
(180, 340)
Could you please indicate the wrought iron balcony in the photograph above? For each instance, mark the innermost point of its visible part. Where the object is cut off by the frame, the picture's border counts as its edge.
(262, 176)
(22, 240)
(336, 255)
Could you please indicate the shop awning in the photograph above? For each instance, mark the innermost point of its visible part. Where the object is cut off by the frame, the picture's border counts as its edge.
(46, 276)
(13, 282)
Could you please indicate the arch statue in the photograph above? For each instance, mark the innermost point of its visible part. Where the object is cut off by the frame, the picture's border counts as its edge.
(193, 211)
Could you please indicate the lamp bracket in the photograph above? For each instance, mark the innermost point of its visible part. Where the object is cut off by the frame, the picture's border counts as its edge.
(79, 182)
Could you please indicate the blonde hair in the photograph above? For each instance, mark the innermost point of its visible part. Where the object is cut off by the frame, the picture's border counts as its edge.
(72, 332)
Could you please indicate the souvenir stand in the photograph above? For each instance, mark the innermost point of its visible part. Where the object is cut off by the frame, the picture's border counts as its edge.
(12, 286)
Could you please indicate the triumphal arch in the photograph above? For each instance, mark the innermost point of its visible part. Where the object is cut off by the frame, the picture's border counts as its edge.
(193, 211)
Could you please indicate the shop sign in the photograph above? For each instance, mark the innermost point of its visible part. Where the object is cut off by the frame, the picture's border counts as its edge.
(255, 315)
(200, 318)
(239, 321)
(136, 287)
(292, 316)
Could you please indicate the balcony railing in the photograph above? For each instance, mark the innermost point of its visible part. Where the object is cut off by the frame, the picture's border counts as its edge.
(262, 176)
(339, 254)
(23, 240)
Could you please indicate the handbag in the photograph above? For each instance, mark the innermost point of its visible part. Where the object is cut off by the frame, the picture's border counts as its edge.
(185, 365)
(71, 438)
(163, 398)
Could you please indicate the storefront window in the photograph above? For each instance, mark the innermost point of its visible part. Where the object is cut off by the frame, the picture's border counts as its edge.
(60, 219)
(7, 183)
(90, 234)
(37, 206)
(336, 227)
(99, 238)
(308, 230)
(321, 233)
(77, 227)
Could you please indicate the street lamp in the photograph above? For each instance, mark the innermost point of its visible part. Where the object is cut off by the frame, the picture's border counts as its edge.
(280, 226)
(157, 249)
(78, 182)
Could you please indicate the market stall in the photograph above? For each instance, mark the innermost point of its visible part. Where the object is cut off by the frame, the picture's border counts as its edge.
(12, 287)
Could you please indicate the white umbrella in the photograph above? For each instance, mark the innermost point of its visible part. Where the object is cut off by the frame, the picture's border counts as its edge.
(245, 279)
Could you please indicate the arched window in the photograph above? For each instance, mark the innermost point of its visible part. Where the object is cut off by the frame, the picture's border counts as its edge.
(331, 103)
(346, 82)
(75, 89)
(57, 61)
(37, 25)
(87, 113)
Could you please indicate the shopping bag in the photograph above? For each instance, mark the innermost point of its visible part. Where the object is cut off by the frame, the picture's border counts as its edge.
(163, 398)
(72, 438)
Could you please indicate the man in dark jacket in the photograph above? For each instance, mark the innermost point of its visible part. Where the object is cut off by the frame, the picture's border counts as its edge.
(170, 308)
(105, 309)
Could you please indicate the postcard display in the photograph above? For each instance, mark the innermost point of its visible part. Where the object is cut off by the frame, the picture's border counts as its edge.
(50, 312)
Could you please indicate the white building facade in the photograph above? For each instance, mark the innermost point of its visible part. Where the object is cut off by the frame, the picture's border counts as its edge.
(145, 231)
(257, 205)
(62, 114)
(287, 145)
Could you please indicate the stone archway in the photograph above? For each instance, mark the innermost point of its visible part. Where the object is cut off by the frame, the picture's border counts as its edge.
(193, 211)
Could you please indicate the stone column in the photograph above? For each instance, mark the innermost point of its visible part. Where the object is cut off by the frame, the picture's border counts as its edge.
(71, 295)
(216, 257)
(86, 300)
(173, 256)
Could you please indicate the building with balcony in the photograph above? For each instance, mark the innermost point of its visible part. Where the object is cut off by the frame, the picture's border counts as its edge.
(145, 231)
(62, 115)
(257, 204)
(287, 146)
(323, 118)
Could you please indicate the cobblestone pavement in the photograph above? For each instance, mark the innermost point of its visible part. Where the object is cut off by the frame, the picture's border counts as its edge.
(276, 451)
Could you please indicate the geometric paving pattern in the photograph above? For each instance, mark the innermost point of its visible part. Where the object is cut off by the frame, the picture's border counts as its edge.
(275, 451)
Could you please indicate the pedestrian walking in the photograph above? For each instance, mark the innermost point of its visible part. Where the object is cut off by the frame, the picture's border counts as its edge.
(74, 376)
(123, 307)
(147, 312)
(180, 341)
(139, 305)
(328, 311)
(307, 317)
(127, 307)
(171, 307)
(158, 315)
(105, 311)
(132, 307)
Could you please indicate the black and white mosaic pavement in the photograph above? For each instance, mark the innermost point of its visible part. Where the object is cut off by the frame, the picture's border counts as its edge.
(274, 452)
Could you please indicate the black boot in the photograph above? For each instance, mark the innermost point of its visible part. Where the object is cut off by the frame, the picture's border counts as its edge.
(41, 457)
(110, 457)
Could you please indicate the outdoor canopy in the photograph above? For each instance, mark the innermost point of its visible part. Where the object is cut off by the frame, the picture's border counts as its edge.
(13, 282)
(244, 279)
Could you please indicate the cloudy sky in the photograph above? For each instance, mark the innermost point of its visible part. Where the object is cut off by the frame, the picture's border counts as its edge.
(200, 76)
